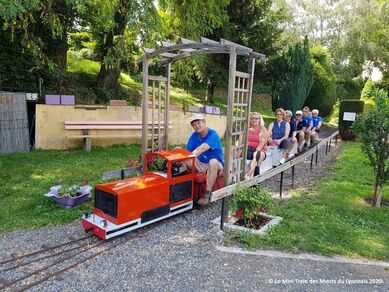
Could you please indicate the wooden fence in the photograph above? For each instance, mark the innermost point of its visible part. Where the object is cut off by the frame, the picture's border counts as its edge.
(14, 132)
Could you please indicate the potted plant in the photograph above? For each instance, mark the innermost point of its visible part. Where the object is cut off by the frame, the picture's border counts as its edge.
(70, 196)
(248, 207)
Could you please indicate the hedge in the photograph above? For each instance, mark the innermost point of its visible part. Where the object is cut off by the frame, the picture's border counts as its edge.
(353, 106)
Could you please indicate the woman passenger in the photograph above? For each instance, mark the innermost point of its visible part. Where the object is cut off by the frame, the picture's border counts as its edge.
(279, 133)
(257, 142)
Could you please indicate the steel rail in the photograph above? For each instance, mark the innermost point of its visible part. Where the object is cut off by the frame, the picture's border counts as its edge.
(41, 258)
(44, 250)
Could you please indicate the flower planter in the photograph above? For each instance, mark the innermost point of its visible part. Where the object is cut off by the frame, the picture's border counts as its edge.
(67, 201)
(273, 220)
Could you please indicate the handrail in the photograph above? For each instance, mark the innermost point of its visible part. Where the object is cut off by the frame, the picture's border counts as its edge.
(228, 190)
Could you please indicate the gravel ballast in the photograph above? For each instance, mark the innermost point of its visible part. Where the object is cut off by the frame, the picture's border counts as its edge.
(180, 254)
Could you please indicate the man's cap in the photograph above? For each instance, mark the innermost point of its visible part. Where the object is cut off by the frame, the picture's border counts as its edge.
(196, 117)
(289, 113)
(299, 112)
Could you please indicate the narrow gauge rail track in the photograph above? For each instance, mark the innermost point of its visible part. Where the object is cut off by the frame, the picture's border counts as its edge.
(59, 263)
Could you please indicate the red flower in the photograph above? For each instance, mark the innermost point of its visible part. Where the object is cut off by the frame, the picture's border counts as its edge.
(86, 181)
(238, 213)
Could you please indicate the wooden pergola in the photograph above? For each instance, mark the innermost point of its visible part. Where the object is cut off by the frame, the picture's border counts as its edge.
(156, 89)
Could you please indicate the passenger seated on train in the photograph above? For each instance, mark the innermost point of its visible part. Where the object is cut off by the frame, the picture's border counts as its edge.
(307, 117)
(301, 126)
(206, 145)
(293, 132)
(279, 133)
(257, 142)
(317, 121)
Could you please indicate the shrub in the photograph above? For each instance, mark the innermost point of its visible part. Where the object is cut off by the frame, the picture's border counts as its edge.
(373, 129)
(349, 88)
(323, 92)
(248, 202)
(367, 90)
(348, 105)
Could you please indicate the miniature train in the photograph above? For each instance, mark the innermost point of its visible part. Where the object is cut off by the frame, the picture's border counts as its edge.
(167, 188)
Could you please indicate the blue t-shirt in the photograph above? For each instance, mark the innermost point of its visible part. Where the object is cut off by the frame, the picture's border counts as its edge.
(316, 121)
(308, 120)
(293, 127)
(213, 140)
(300, 125)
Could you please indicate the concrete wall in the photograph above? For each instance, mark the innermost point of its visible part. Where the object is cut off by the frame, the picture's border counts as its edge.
(51, 133)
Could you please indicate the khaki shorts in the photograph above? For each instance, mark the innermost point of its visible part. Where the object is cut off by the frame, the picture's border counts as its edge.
(203, 167)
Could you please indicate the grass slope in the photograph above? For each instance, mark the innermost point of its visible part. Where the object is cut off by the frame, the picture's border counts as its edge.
(26, 177)
(84, 73)
(333, 218)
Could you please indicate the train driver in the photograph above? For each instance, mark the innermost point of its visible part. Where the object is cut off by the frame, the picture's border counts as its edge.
(206, 145)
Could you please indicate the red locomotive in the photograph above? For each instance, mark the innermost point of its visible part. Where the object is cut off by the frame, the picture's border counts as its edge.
(167, 188)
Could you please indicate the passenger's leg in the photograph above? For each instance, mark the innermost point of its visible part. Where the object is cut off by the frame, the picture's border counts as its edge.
(213, 169)
(253, 165)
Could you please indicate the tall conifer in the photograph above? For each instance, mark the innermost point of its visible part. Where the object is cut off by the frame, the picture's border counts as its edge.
(293, 77)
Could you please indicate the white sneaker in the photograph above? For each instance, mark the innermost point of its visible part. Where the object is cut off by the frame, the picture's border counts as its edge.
(282, 161)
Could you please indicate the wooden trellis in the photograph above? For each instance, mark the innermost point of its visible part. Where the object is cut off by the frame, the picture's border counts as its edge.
(240, 86)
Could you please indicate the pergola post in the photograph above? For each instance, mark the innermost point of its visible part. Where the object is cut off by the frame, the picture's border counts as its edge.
(228, 133)
(167, 107)
(230, 115)
(145, 105)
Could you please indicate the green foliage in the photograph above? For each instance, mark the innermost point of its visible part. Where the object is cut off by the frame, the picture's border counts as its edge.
(193, 19)
(349, 88)
(250, 201)
(367, 90)
(292, 74)
(373, 129)
(353, 106)
(332, 218)
(323, 92)
(25, 177)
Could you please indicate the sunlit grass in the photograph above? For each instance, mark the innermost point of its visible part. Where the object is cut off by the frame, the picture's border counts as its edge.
(80, 65)
(333, 218)
(25, 177)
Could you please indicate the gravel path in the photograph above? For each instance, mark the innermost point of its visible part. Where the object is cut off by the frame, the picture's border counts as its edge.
(180, 254)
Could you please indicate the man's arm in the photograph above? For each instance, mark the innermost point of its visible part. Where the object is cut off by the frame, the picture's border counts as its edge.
(201, 149)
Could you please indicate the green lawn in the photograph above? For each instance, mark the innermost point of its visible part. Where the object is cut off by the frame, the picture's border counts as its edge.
(332, 218)
(25, 177)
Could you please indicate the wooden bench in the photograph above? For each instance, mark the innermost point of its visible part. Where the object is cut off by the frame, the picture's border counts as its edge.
(86, 126)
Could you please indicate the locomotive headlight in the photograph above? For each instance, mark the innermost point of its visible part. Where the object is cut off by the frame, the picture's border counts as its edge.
(104, 223)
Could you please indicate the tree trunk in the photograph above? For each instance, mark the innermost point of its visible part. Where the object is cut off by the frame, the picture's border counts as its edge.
(379, 196)
(109, 75)
(210, 91)
(375, 191)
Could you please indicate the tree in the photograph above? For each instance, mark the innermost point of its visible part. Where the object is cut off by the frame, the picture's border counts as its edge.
(323, 92)
(116, 26)
(39, 30)
(373, 129)
(292, 73)
(353, 31)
